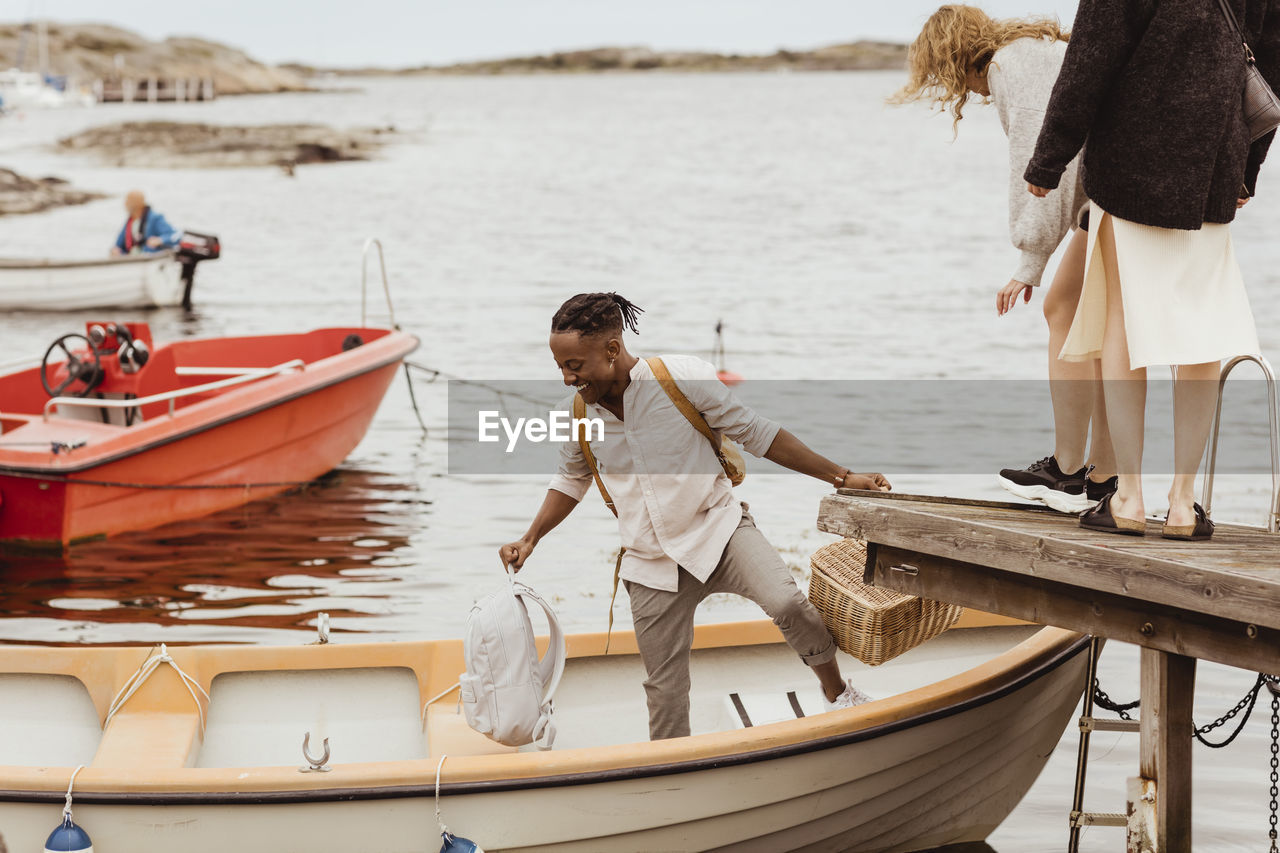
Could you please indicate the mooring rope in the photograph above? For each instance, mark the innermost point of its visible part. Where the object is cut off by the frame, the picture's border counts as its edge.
(438, 697)
(66, 807)
(444, 830)
(150, 665)
(502, 393)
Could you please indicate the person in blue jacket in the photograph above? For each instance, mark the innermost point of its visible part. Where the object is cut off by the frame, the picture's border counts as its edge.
(145, 230)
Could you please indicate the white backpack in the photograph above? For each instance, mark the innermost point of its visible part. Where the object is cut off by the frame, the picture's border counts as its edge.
(506, 690)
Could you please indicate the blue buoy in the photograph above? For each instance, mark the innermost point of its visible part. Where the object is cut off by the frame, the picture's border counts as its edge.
(452, 844)
(68, 838)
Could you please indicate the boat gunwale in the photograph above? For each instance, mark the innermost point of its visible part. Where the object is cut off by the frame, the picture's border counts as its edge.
(57, 473)
(35, 264)
(1035, 663)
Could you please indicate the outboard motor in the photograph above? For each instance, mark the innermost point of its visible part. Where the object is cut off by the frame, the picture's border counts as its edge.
(194, 247)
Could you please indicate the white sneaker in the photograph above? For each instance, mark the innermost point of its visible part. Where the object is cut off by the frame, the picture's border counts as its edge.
(850, 697)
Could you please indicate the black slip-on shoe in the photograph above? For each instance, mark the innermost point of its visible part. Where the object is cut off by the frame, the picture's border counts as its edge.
(1201, 531)
(1100, 518)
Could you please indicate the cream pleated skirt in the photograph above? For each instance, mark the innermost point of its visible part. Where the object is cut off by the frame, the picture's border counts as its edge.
(1184, 298)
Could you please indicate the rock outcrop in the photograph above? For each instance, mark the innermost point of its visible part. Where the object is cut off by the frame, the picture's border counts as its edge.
(28, 195)
(170, 144)
(88, 52)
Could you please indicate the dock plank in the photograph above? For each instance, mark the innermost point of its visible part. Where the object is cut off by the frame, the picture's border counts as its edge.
(1238, 579)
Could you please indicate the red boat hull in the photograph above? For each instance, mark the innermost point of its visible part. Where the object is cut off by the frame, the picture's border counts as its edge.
(222, 451)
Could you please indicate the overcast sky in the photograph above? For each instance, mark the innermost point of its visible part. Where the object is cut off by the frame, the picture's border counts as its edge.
(352, 33)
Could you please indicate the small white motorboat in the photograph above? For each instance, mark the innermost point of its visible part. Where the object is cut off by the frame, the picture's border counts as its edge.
(155, 280)
(208, 753)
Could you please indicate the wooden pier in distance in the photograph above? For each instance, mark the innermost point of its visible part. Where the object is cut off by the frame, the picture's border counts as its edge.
(1178, 601)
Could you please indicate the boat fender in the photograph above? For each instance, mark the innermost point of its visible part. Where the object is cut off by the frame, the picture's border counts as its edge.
(68, 837)
(455, 844)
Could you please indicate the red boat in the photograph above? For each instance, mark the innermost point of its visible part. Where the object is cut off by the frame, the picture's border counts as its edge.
(111, 433)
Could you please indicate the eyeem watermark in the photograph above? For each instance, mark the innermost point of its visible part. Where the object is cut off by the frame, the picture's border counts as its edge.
(558, 426)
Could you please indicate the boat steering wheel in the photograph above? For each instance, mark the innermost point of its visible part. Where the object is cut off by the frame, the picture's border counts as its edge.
(81, 368)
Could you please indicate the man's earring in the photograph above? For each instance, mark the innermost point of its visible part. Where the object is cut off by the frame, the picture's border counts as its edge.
(611, 362)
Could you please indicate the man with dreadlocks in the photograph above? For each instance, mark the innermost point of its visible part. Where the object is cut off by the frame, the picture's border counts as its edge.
(684, 533)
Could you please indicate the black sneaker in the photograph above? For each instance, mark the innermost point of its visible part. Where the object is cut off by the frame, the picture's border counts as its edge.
(1096, 491)
(1044, 481)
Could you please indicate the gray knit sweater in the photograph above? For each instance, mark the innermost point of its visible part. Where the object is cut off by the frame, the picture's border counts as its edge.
(1021, 76)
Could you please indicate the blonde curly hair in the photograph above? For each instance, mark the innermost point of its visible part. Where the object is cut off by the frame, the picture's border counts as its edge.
(955, 39)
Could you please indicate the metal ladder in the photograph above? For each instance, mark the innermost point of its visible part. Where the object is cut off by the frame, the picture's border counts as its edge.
(1206, 499)
(1088, 725)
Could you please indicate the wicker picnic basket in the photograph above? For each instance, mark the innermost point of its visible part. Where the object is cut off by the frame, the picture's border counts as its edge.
(874, 625)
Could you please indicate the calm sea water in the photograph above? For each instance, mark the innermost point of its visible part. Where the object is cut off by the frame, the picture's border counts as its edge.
(836, 237)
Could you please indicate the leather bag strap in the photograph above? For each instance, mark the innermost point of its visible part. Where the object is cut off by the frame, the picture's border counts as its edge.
(1235, 25)
(580, 412)
(682, 403)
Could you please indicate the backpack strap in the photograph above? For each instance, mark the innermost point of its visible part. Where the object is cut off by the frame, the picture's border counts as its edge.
(690, 412)
(579, 413)
(551, 664)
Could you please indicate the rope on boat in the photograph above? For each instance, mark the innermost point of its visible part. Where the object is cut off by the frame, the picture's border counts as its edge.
(176, 487)
(440, 696)
(150, 665)
(444, 830)
(502, 393)
(66, 808)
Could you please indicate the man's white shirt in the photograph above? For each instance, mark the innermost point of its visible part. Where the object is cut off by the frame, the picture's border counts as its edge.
(675, 504)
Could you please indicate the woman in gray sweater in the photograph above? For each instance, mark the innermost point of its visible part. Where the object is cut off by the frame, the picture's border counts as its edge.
(962, 51)
(1154, 88)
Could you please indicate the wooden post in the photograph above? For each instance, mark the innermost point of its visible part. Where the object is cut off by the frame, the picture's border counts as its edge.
(153, 89)
(1168, 688)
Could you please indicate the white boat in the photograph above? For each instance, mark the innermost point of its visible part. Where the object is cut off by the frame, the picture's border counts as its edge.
(154, 280)
(29, 89)
(959, 729)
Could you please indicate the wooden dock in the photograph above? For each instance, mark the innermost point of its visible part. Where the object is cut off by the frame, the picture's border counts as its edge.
(1179, 601)
(128, 90)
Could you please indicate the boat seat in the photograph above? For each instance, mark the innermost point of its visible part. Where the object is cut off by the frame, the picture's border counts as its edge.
(449, 734)
(145, 739)
(743, 710)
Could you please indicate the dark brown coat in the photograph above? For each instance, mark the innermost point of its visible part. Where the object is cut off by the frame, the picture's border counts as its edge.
(1152, 90)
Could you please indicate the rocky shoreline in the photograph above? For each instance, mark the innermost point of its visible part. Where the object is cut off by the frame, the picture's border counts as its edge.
(167, 144)
(20, 194)
(87, 52)
(855, 56)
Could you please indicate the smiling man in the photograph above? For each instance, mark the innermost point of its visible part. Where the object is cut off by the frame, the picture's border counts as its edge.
(684, 533)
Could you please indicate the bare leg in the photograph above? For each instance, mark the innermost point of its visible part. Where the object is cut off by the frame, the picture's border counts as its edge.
(1070, 382)
(829, 677)
(1102, 456)
(1074, 385)
(1195, 389)
(1125, 389)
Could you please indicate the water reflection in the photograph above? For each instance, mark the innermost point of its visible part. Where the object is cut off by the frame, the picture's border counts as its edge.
(268, 565)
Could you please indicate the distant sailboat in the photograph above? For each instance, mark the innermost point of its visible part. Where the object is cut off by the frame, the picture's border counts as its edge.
(22, 89)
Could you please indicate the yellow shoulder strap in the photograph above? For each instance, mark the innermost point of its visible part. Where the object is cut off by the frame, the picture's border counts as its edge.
(682, 403)
(580, 412)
